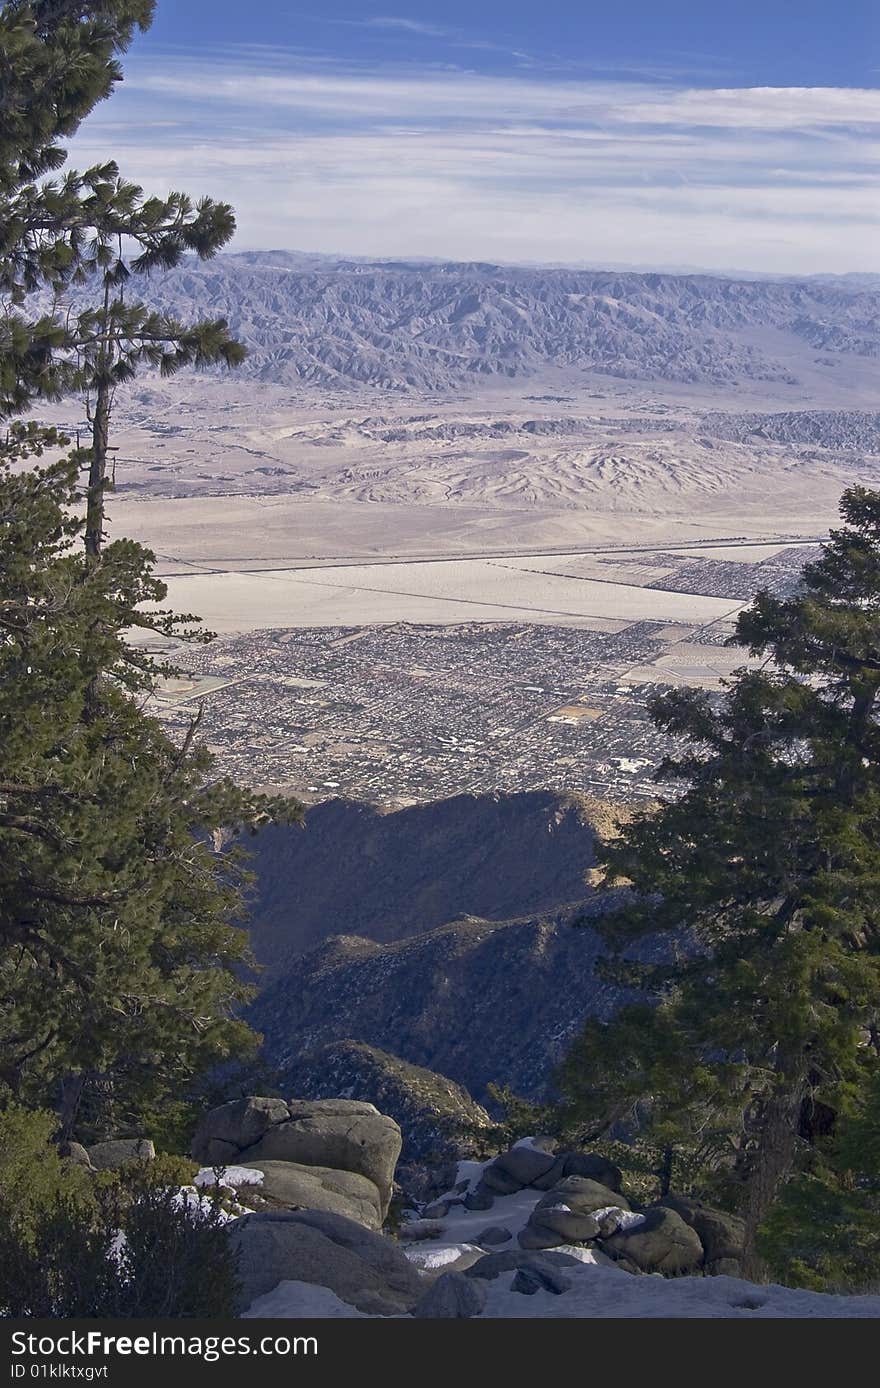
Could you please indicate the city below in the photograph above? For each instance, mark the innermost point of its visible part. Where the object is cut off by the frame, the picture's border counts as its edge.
(401, 713)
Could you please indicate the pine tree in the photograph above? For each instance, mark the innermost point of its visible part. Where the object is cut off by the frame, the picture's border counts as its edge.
(120, 952)
(58, 59)
(90, 233)
(762, 882)
(824, 1231)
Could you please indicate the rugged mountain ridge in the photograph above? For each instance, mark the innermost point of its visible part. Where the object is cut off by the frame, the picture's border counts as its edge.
(362, 870)
(477, 1001)
(431, 327)
(855, 430)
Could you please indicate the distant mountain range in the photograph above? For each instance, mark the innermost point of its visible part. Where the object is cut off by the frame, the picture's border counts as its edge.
(432, 326)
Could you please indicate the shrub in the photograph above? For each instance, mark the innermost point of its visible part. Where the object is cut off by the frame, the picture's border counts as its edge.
(124, 1243)
(33, 1176)
(823, 1237)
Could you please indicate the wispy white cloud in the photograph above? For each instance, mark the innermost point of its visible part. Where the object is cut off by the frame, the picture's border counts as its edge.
(409, 26)
(451, 163)
(761, 108)
(462, 95)
(418, 28)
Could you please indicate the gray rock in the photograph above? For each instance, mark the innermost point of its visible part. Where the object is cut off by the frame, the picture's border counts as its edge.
(227, 1130)
(535, 1237)
(664, 1243)
(109, 1156)
(583, 1195)
(291, 1186)
(335, 1134)
(453, 1297)
(491, 1265)
(561, 1219)
(595, 1168)
(419, 1230)
(522, 1164)
(362, 1268)
(331, 1108)
(553, 1174)
(581, 1164)
(529, 1280)
(494, 1234)
(213, 1151)
(479, 1199)
(438, 1209)
(608, 1225)
(500, 1181)
(76, 1154)
(721, 1234)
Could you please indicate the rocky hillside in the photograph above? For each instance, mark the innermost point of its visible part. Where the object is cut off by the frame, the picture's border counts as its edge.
(842, 430)
(360, 870)
(438, 1118)
(431, 327)
(479, 1001)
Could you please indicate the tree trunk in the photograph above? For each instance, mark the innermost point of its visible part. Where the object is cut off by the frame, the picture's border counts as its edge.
(72, 1087)
(773, 1156)
(98, 473)
(665, 1172)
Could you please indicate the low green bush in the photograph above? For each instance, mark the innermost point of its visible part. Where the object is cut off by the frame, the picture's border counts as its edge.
(117, 1244)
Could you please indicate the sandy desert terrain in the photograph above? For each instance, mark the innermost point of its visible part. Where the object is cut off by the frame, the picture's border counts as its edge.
(501, 507)
(474, 443)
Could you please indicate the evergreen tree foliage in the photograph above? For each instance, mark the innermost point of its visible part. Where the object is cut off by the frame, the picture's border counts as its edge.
(760, 884)
(824, 1231)
(118, 961)
(33, 1175)
(136, 1242)
(120, 946)
(58, 59)
(78, 242)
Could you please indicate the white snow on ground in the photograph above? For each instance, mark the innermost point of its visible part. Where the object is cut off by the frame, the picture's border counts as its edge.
(601, 1290)
(609, 1293)
(231, 1176)
(605, 1293)
(510, 1211)
(193, 1199)
(292, 1300)
(431, 1257)
(586, 1255)
(469, 1171)
(598, 1289)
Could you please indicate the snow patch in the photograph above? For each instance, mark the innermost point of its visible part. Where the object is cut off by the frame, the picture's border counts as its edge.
(531, 1144)
(599, 1292)
(625, 1219)
(188, 1197)
(471, 1172)
(300, 1300)
(230, 1176)
(429, 1257)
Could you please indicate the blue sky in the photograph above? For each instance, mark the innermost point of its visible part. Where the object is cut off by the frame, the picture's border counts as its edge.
(648, 132)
